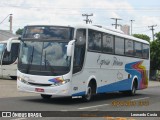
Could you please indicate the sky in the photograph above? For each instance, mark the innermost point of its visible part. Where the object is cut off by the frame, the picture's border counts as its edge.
(49, 12)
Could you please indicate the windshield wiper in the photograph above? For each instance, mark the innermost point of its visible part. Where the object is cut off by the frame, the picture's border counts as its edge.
(30, 61)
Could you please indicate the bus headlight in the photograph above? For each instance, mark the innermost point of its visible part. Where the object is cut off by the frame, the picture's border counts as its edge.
(61, 83)
(22, 80)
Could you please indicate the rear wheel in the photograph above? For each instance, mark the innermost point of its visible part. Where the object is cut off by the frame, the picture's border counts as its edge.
(46, 96)
(133, 90)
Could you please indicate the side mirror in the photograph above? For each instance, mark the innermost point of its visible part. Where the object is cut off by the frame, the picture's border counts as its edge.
(70, 47)
(9, 43)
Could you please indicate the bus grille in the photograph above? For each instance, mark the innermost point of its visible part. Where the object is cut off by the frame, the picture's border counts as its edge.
(39, 84)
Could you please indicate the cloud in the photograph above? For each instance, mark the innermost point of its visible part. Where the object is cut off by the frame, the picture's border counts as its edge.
(27, 12)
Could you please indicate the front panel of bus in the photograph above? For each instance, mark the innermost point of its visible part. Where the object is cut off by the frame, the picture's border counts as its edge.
(43, 65)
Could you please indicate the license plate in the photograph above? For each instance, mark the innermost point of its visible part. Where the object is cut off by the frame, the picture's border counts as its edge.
(39, 89)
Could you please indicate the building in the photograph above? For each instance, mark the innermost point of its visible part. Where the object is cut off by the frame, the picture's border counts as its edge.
(6, 34)
(126, 29)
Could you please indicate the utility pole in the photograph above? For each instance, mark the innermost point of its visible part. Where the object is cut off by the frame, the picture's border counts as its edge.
(131, 25)
(10, 20)
(87, 19)
(152, 28)
(116, 24)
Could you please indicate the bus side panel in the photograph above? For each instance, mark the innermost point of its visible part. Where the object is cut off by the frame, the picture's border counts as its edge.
(110, 74)
(139, 69)
(135, 69)
(9, 70)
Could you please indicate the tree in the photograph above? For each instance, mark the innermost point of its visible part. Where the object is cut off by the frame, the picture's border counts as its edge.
(19, 31)
(155, 54)
(157, 35)
(142, 36)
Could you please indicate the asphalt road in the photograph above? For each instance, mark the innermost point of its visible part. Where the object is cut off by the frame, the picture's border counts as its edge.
(144, 100)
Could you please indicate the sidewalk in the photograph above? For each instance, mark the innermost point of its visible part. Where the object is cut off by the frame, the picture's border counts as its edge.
(153, 83)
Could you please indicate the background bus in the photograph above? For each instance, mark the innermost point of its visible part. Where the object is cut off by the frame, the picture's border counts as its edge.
(81, 60)
(9, 58)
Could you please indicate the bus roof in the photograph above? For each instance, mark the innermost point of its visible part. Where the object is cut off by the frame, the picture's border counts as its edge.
(102, 29)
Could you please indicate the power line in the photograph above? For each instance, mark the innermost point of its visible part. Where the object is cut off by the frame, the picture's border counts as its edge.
(152, 28)
(116, 24)
(138, 8)
(4, 19)
(87, 19)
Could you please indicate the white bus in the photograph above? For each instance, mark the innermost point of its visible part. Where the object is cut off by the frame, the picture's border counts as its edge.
(9, 58)
(81, 60)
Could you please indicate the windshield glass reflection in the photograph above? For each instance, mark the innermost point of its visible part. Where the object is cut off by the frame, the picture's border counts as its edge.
(44, 56)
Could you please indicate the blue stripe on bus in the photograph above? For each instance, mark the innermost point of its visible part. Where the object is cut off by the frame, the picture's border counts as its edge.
(117, 86)
(79, 94)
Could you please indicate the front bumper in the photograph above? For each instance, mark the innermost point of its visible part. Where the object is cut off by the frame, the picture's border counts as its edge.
(62, 90)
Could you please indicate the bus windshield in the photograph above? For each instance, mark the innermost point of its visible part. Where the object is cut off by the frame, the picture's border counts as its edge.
(44, 58)
(1, 50)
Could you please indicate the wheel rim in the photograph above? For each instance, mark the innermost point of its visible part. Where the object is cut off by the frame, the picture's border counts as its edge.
(133, 89)
(89, 93)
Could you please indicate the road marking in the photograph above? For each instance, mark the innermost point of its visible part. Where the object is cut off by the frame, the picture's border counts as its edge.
(93, 106)
(64, 110)
(140, 98)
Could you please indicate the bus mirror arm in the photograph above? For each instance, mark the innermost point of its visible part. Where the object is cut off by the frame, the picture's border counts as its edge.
(9, 43)
(70, 47)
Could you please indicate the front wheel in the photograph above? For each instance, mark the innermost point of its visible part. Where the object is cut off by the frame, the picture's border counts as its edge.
(46, 96)
(88, 96)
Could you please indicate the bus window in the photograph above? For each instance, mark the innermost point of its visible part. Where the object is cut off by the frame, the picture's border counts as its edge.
(138, 49)
(129, 50)
(145, 51)
(10, 57)
(119, 46)
(108, 43)
(94, 40)
(79, 51)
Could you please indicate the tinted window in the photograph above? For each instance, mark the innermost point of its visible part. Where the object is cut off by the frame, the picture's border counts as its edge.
(48, 32)
(10, 57)
(94, 40)
(138, 49)
(119, 46)
(129, 50)
(79, 51)
(145, 51)
(108, 41)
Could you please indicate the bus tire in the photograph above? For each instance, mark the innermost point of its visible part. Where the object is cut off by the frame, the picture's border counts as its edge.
(134, 88)
(46, 96)
(91, 90)
(88, 95)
